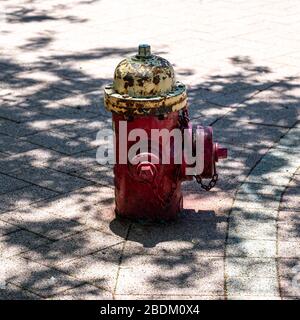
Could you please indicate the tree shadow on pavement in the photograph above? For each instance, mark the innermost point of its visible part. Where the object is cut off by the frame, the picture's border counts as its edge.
(52, 109)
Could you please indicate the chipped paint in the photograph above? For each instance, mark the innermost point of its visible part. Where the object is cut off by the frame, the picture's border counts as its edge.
(144, 77)
(145, 85)
(174, 100)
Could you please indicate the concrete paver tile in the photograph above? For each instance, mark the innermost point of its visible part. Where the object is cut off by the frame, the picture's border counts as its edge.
(186, 275)
(252, 286)
(13, 292)
(99, 269)
(73, 247)
(51, 179)
(201, 236)
(19, 242)
(38, 220)
(22, 197)
(12, 145)
(239, 247)
(41, 280)
(39, 157)
(6, 228)
(84, 292)
(8, 184)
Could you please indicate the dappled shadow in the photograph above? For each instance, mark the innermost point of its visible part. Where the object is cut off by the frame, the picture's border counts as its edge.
(68, 245)
(37, 42)
(289, 273)
(50, 112)
(30, 13)
(190, 227)
(289, 240)
(175, 253)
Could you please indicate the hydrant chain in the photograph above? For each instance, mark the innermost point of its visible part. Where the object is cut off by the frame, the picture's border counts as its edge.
(211, 183)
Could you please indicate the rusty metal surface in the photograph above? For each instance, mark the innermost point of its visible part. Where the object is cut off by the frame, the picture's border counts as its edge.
(174, 100)
(144, 76)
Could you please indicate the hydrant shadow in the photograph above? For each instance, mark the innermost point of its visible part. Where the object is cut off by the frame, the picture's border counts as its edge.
(197, 230)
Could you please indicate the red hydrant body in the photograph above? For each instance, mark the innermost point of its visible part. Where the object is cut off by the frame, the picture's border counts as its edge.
(150, 120)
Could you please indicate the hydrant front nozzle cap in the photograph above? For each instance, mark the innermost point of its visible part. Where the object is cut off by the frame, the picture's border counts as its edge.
(144, 50)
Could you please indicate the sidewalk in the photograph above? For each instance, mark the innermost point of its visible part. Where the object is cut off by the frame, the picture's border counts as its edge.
(59, 237)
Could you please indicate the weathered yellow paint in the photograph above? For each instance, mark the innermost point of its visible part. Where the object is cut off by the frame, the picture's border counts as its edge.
(173, 101)
(144, 77)
(144, 84)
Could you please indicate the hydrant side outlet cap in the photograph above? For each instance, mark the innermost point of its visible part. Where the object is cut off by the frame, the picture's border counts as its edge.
(144, 75)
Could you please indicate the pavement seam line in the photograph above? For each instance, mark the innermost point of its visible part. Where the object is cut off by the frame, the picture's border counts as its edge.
(277, 235)
(247, 256)
(120, 261)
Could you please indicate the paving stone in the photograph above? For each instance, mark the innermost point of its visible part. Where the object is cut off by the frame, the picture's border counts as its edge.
(37, 219)
(15, 129)
(204, 112)
(262, 112)
(22, 197)
(73, 247)
(3, 155)
(51, 179)
(62, 143)
(290, 199)
(289, 226)
(242, 77)
(19, 242)
(90, 102)
(239, 247)
(20, 115)
(6, 228)
(258, 200)
(289, 231)
(289, 249)
(290, 288)
(261, 189)
(85, 165)
(276, 168)
(227, 98)
(290, 141)
(289, 268)
(289, 277)
(215, 202)
(168, 297)
(84, 128)
(253, 297)
(12, 145)
(246, 135)
(35, 158)
(69, 114)
(252, 286)
(99, 269)
(90, 206)
(84, 292)
(202, 236)
(13, 292)
(288, 216)
(254, 228)
(38, 279)
(247, 267)
(8, 184)
(185, 274)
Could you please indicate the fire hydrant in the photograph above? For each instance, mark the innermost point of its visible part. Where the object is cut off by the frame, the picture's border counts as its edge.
(147, 104)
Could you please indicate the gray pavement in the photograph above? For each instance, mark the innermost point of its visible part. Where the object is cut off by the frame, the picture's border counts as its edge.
(59, 238)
